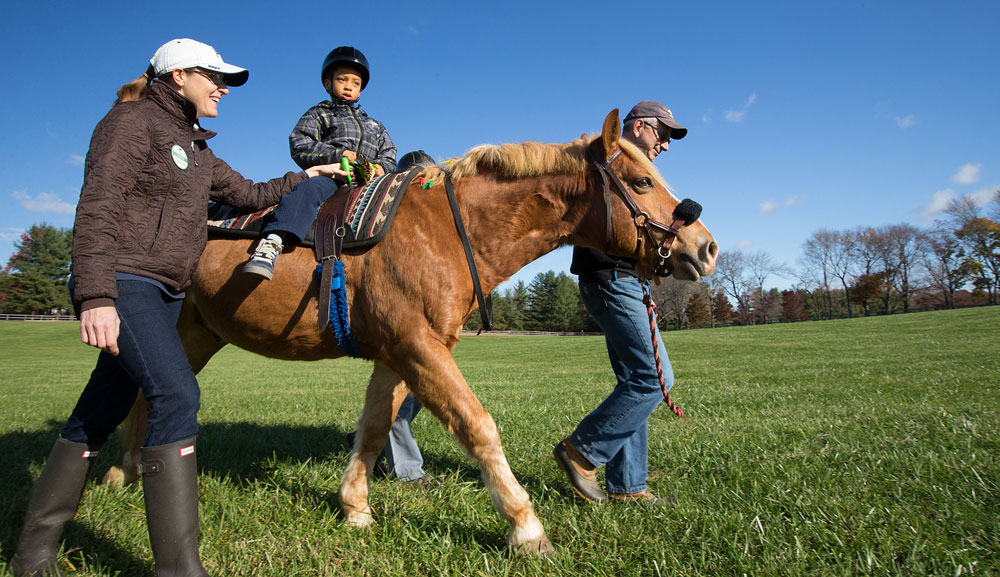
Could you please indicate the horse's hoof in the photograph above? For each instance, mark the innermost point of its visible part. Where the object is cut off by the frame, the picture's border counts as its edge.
(114, 478)
(541, 547)
(360, 519)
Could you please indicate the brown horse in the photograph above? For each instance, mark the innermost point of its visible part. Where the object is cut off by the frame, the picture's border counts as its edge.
(410, 295)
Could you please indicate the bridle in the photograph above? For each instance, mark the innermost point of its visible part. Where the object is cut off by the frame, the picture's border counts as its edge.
(659, 234)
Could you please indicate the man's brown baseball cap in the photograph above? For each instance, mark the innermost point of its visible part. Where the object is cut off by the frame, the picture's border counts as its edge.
(653, 109)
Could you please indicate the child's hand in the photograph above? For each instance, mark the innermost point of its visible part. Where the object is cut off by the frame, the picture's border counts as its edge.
(377, 171)
(351, 155)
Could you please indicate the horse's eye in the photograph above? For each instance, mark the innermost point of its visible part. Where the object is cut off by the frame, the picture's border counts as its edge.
(642, 185)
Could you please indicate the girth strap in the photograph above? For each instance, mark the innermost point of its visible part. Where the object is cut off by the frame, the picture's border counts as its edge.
(485, 303)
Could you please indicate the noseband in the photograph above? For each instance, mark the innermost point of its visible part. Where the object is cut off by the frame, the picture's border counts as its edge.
(660, 235)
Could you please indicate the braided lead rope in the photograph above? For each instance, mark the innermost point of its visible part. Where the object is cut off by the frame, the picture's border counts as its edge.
(650, 305)
(340, 322)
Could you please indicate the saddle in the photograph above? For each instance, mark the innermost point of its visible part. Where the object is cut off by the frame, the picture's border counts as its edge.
(366, 211)
(354, 219)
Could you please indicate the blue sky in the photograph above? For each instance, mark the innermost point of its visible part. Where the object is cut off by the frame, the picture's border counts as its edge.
(801, 115)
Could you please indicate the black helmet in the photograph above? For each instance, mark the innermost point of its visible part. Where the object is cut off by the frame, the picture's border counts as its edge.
(346, 55)
(415, 158)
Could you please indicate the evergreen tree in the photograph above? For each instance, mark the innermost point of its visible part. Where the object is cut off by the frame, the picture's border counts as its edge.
(722, 309)
(553, 303)
(792, 308)
(38, 271)
(697, 311)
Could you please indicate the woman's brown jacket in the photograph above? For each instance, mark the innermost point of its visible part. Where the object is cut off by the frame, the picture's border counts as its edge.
(147, 181)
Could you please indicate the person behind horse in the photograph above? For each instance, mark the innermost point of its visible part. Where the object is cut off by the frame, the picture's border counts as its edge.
(401, 454)
(616, 433)
(327, 132)
(140, 229)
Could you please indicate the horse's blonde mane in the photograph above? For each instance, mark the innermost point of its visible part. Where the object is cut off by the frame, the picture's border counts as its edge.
(521, 160)
(528, 159)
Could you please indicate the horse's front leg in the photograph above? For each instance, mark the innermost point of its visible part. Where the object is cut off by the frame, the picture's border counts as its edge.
(383, 397)
(431, 373)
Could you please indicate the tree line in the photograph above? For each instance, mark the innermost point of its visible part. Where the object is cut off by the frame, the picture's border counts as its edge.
(843, 273)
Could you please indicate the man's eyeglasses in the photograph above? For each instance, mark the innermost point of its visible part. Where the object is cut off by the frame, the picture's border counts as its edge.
(660, 136)
(216, 78)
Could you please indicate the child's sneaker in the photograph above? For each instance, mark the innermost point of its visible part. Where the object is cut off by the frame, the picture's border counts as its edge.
(262, 261)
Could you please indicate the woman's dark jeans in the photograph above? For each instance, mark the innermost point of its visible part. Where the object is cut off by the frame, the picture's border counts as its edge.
(150, 359)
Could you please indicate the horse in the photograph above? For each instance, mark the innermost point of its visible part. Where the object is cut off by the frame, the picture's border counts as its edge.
(410, 295)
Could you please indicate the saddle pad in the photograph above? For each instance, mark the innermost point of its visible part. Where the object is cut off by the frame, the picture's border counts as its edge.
(370, 212)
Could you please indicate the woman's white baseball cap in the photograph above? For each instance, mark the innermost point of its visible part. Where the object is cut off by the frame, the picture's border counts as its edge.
(186, 53)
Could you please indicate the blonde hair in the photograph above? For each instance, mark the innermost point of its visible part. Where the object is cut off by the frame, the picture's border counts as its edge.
(138, 89)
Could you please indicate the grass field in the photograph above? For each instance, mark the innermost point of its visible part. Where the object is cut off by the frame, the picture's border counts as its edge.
(855, 447)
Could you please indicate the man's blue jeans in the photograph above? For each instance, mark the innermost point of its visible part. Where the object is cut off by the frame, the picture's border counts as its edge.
(297, 210)
(616, 433)
(151, 359)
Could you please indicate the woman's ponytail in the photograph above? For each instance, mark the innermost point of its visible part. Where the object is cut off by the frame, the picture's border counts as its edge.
(138, 88)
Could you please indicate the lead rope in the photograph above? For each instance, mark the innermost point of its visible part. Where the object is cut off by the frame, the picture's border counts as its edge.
(650, 305)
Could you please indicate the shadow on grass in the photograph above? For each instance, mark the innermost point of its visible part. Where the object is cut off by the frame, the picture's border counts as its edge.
(237, 453)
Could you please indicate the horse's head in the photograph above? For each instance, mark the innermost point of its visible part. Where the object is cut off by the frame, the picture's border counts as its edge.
(643, 220)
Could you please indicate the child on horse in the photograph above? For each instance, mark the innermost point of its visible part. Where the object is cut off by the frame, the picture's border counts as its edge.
(328, 132)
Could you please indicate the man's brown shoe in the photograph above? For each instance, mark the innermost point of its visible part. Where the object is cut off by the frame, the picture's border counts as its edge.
(582, 475)
(638, 497)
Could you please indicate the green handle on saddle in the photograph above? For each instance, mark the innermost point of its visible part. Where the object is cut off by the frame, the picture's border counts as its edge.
(346, 164)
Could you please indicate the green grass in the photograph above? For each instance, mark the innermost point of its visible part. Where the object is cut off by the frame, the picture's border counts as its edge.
(855, 447)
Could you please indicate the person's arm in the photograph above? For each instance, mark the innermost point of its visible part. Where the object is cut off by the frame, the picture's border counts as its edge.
(386, 150)
(307, 145)
(118, 152)
(230, 187)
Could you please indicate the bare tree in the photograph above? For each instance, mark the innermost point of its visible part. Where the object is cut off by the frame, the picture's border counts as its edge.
(730, 278)
(981, 238)
(817, 264)
(672, 297)
(944, 262)
(760, 267)
(903, 239)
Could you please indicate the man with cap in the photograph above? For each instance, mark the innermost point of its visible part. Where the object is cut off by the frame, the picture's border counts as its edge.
(616, 433)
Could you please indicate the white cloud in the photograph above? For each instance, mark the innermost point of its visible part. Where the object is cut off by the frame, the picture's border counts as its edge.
(771, 206)
(938, 203)
(967, 174)
(75, 159)
(905, 121)
(15, 234)
(740, 114)
(983, 196)
(744, 244)
(43, 202)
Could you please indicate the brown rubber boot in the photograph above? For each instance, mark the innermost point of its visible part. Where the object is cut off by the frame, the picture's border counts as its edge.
(53, 503)
(170, 490)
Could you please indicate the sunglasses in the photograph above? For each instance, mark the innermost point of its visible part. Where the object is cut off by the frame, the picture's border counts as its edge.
(216, 78)
(661, 135)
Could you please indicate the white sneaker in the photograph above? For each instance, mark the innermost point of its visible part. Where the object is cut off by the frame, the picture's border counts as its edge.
(262, 261)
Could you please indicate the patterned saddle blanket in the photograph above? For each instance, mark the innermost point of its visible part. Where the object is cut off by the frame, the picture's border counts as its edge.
(367, 215)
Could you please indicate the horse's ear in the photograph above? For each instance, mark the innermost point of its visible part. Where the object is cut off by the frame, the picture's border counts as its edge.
(611, 133)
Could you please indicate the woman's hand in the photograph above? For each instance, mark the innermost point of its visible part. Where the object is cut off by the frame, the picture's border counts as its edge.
(99, 328)
(334, 171)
